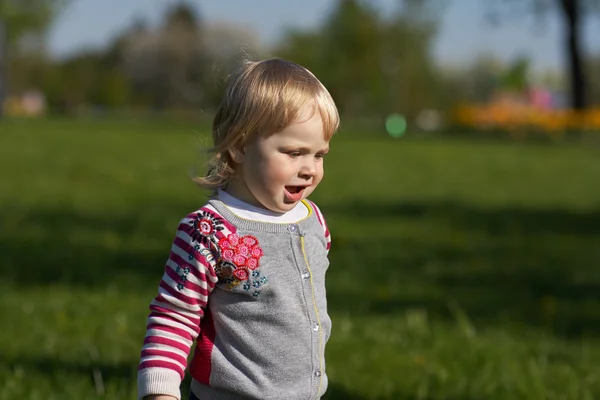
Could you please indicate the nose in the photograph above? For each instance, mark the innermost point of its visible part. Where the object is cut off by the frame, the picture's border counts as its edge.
(308, 169)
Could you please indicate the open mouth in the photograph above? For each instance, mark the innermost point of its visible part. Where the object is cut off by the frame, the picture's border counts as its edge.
(294, 193)
(295, 189)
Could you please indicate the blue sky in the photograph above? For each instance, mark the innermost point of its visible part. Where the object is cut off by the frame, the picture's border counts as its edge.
(464, 32)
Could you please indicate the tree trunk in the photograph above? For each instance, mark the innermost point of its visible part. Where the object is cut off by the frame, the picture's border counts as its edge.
(3, 66)
(572, 13)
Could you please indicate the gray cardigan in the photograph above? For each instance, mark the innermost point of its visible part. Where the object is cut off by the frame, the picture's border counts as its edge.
(261, 298)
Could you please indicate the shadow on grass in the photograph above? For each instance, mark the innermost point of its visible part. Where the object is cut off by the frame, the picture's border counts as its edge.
(58, 246)
(61, 372)
(338, 392)
(498, 221)
(528, 266)
(122, 375)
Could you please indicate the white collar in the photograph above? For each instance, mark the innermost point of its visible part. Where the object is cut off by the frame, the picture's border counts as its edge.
(252, 212)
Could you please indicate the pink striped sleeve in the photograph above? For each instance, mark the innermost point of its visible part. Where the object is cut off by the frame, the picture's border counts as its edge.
(175, 313)
(323, 223)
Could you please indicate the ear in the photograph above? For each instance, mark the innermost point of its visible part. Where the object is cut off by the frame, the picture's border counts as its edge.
(237, 155)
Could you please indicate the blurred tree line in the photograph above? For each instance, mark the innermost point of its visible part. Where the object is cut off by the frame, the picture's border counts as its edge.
(574, 14)
(373, 63)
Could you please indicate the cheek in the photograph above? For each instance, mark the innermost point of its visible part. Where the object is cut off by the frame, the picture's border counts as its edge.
(280, 175)
(280, 168)
(269, 172)
(320, 171)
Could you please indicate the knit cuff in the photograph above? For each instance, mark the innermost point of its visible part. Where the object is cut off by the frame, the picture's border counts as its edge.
(159, 381)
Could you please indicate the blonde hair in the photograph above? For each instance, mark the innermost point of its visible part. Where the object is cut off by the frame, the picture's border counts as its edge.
(263, 98)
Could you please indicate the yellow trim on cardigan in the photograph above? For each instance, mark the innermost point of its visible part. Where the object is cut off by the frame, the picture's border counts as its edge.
(305, 202)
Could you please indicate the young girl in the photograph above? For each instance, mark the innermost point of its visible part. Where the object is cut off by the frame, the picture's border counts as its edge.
(245, 279)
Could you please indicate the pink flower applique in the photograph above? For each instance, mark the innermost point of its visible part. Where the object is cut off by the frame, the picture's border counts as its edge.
(240, 256)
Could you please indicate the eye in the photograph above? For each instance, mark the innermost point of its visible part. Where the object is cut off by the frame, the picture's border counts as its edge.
(293, 154)
(320, 155)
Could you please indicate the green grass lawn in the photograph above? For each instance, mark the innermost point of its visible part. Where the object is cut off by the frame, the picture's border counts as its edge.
(460, 269)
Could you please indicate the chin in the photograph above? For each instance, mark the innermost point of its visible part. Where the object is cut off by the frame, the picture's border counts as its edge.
(285, 207)
(278, 207)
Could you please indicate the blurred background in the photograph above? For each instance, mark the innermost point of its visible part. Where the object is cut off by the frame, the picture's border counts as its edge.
(462, 190)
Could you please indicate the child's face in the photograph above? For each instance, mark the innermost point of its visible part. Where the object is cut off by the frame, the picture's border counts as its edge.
(280, 170)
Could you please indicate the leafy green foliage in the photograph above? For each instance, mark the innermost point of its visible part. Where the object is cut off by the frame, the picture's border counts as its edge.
(30, 16)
